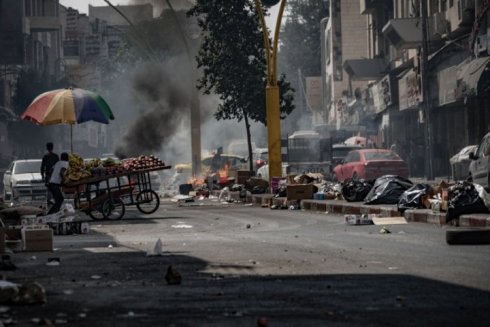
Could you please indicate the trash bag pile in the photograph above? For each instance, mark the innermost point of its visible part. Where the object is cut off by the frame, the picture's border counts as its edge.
(413, 197)
(464, 198)
(356, 190)
(387, 190)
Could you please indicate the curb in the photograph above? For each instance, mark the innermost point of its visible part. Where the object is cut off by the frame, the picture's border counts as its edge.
(356, 208)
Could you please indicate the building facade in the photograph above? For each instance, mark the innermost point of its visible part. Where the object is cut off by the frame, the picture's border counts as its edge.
(393, 64)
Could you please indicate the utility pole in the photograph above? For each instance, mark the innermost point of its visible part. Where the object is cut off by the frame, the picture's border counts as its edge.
(424, 72)
(272, 88)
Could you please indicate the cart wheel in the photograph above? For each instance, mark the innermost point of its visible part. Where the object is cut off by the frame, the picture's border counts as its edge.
(113, 209)
(96, 214)
(147, 201)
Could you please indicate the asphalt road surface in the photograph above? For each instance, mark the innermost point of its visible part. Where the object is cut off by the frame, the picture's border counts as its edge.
(239, 263)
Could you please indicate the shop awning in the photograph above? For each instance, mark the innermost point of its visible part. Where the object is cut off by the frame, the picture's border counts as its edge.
(404, 33)
(366, 69)
(473, 78)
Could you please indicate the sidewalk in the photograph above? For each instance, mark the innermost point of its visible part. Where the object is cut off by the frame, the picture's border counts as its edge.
(344, 207)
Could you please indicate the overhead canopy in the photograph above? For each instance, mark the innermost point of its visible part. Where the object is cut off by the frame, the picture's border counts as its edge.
(473, 77)
(365, 69)
(404, 33)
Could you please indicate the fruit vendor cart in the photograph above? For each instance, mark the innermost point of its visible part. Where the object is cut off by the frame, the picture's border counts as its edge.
(108, 190)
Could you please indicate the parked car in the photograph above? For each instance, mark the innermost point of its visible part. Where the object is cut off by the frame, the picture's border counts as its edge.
(340, 151)
(22, 182)
(370, 164)
(480, 163)
(460, 163)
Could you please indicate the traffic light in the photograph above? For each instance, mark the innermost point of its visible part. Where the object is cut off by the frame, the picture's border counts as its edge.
(270, 3)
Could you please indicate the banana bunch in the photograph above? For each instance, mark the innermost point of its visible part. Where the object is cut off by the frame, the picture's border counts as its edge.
(76, 168)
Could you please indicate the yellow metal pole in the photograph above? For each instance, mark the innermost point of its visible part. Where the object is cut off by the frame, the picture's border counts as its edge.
(272, 94)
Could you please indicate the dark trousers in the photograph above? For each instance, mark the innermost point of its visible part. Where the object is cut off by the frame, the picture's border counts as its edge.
(55, 189)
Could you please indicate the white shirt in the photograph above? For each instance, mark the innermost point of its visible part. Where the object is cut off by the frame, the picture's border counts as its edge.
(55, 176)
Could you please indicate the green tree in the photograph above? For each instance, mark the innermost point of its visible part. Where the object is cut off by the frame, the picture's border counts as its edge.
(232, 58)
(300, 44)
(301, 35)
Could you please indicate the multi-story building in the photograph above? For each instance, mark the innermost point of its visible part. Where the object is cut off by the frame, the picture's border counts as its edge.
(456, 72)
(342, 41)
(30, 39)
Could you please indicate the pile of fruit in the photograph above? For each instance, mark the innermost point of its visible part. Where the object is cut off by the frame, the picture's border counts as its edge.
(78, 169)
(142, 162)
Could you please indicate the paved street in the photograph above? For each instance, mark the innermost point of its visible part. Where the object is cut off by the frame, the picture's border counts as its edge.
(240, 262)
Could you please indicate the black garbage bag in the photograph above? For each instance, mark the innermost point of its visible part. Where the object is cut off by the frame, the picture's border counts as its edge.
(412, 198)
(356, 190)
(463, 199)
(387, 190)
(258, 190)
(281, 192)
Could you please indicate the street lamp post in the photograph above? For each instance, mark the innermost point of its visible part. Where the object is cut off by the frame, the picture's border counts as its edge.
(272, 89)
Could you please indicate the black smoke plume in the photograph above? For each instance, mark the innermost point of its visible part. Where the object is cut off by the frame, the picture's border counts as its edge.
(168, 101)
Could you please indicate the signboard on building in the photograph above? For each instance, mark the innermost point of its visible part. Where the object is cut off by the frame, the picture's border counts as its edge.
(447, 85)
(314, 92)
(382, 95)
(409, 91)
(11, 32)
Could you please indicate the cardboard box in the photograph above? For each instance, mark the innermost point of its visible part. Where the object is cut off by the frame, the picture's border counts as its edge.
(300, 192)
(37, 239)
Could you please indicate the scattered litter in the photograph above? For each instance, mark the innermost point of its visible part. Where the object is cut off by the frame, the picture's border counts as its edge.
(248, 205)
(392, 268)
(384, 230)
(173, 277)
(31, 293)
(33, 257)
(96, 277)
(181, 225)
(157, 249)
(110, 246)
(358, 219)
(8, 291)
(68, 292)
(53, 262)
(262, 322)
(248, 226)
(4, 309)
(61, 321)
(388, 220)
(82, 315)
(130, 314)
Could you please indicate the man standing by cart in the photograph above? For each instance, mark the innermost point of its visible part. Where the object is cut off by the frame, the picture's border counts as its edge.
(47, 165)
(55, 182)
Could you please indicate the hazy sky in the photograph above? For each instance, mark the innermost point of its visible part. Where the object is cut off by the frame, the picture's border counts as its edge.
(82, 6)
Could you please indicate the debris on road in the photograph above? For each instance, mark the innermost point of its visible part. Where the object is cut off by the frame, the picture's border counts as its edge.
(157, 249)
(358, 219)
(388, 220)
(384, 230)
(173, 277)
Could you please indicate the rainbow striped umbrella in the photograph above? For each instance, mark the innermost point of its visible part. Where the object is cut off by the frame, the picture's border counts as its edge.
(68, 106)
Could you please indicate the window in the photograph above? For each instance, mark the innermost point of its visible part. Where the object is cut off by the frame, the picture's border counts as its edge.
(27, 167)
(356, 157)
(381, 156)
